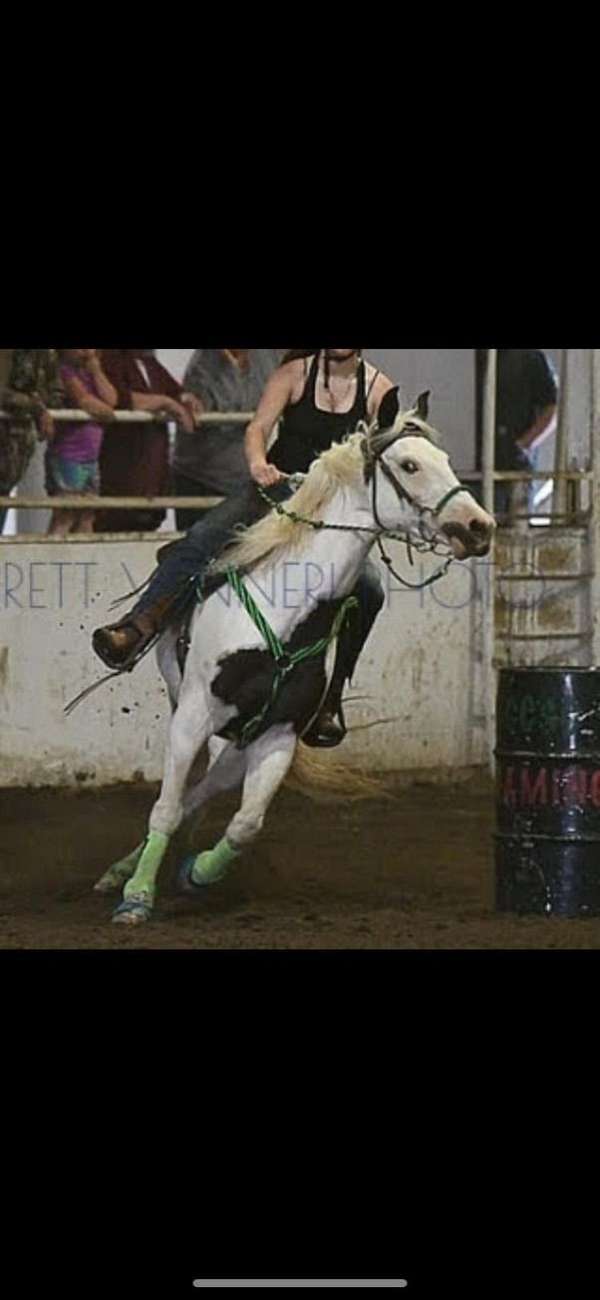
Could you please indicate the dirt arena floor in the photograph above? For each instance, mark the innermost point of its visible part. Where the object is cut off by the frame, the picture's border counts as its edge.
(413, 873)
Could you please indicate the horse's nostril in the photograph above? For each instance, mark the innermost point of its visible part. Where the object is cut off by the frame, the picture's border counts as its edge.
(479, 528)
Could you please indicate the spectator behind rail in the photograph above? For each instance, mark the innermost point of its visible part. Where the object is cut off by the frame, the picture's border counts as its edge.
(73, 449)
(525, 418)
(527, 397)
(212, 462)
(134, 459)
(33, 386)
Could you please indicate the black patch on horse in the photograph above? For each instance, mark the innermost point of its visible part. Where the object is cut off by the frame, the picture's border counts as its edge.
(246, 678)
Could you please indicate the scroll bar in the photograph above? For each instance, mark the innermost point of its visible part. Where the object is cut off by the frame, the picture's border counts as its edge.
(303, 1282)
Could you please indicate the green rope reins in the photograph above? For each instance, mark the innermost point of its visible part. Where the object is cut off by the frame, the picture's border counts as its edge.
(285, 662)
(410, 543)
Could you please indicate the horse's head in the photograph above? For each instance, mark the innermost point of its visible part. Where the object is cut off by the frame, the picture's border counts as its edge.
(417, 472)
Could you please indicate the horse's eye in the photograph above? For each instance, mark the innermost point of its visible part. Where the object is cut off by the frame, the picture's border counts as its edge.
(410, 466)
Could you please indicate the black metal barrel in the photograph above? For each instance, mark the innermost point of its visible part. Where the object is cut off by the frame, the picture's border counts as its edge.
(548, 796)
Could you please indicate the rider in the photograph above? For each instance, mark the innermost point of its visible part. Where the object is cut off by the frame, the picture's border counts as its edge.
(319, 396)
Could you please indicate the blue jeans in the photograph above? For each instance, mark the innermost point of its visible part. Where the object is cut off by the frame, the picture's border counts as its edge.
(189, 487)
(189, 557)
(204, 541)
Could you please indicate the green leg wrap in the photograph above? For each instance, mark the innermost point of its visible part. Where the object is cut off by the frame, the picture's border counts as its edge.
(144, 880)
(212, 865)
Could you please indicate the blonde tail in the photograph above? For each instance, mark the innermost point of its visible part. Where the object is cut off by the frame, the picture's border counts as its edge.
(328, 781)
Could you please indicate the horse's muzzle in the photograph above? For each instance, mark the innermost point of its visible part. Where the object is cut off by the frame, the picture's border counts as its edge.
(472, 540)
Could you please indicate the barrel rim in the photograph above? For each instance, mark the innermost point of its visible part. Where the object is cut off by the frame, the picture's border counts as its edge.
(570, 756)
(550, 670)
(530, 839)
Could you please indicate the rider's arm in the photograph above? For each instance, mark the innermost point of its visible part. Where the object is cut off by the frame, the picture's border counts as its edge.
(277, 395)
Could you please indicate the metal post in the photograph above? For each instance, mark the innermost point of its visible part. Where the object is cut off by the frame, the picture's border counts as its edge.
(488, 676)
(595, 519)
(559, 504)
(75, 416)
(489, 429)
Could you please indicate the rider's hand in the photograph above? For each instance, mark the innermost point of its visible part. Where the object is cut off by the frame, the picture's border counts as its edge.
(266, 475)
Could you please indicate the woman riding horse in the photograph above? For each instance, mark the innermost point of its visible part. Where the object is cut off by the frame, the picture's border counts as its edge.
(257, 664)
(318, 404)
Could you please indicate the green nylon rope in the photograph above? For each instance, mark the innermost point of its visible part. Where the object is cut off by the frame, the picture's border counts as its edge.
(285, 662)
(317, 524)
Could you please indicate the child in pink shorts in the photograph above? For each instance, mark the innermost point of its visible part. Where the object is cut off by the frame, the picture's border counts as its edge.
(72, 455)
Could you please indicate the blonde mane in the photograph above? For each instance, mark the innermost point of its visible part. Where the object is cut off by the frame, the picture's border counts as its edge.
(340, 466)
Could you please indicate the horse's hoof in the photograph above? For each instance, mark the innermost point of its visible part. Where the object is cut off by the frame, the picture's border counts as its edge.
(133, 911)
(107, 884)
(184, 877)
(118, 874)
(212, 865)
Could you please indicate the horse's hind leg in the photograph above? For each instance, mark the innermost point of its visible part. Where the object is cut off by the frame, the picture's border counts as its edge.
(186, 736)
(267, 763)
(119, 872)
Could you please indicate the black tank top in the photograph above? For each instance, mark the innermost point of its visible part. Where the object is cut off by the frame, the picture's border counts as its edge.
(306, 431)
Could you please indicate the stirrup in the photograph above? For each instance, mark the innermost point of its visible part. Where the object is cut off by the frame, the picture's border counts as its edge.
(315, 741)
(142, 645)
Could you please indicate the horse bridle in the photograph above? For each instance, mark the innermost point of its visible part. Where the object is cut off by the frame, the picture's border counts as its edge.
(372, 459)
(375, 459)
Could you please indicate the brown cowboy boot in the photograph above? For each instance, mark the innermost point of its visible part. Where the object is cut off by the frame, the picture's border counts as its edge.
(119, 645)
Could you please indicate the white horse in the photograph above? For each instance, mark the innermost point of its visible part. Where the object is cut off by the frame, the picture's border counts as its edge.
(392, 476)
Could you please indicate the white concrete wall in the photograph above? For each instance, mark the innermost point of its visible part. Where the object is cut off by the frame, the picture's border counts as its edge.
(419, 672)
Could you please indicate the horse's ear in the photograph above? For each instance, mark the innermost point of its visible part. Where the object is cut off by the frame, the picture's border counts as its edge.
(388, 410)
(422, 405)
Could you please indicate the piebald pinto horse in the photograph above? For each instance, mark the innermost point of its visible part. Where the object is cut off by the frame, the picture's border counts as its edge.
(256, 669)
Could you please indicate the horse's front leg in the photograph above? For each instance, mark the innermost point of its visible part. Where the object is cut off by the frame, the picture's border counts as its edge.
(267, 763)
(225, 772)
(188, 732)
(166, 654)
